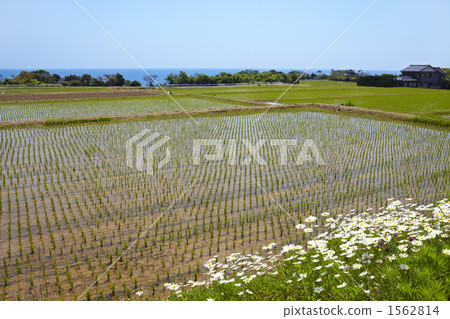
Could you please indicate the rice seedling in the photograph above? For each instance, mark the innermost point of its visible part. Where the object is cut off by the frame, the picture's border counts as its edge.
(70, 206)
(99, 108)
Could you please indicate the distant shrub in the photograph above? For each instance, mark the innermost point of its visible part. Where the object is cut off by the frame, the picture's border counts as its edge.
(384, 80)
(349, 103)
(135, 83)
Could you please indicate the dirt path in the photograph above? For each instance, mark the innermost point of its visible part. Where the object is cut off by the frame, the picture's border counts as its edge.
(13, 97)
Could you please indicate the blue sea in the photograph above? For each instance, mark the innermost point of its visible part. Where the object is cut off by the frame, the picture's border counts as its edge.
(138, 74)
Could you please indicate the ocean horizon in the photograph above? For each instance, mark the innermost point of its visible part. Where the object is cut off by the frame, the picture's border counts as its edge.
(133, 74)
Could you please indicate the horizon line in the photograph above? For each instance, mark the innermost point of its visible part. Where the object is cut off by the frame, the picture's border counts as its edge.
(193, 68)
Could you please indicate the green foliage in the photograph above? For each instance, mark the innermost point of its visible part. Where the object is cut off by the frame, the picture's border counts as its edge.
(135, 83)
(33, 78)
(447, 78)
(384, 80)
(114, 79)
(39, 77)
(345, 75)
(349, 103)
(245, 76)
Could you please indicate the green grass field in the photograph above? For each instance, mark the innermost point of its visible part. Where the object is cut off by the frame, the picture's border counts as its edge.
(431, 103)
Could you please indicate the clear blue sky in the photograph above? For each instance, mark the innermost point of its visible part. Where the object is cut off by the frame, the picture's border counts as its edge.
(224, 34)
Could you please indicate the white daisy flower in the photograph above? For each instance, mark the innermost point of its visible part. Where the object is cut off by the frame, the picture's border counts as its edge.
(310, 219)
(318, 289)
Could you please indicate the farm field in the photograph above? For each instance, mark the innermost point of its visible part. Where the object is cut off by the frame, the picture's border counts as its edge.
(421, 102)
(70, 206)
(424, 103)
(50, 89)
(245, 151)
(103, 107)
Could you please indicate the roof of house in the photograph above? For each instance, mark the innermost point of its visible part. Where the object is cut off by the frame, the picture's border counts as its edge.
(422, 68)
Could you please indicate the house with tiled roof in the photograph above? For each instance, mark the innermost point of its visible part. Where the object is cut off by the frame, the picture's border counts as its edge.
(422, 76)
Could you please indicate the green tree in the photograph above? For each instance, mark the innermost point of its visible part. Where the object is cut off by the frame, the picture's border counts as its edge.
(172, 78)
(86, 79)
(56, 78)
(447, 78)
(182, 78)
(73, 80)
(99, 81)
(201, 79)
(41, 76)
(24, 77)
(114, 79)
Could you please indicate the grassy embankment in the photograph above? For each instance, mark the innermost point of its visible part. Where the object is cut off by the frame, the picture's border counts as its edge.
(401, 253)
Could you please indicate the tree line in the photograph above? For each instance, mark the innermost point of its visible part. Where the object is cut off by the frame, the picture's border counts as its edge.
(40, 77)
(43, 77)
(254, 76)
